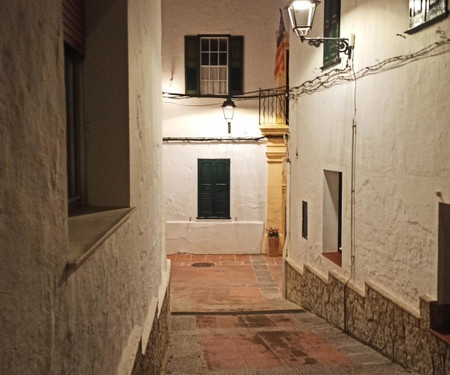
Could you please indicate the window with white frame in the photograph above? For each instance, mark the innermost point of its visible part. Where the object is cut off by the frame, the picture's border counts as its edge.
(213, 66)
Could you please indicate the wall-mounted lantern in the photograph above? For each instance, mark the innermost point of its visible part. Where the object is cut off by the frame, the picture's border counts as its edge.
(301, 15)
(228, 107)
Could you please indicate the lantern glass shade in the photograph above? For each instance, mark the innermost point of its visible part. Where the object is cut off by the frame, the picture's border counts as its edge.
(301, 15)
(228, 107)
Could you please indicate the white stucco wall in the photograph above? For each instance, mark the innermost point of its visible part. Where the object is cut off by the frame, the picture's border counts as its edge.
(33, 213)
(257, 21)
(402, 153)
(55, 322)
(244, 232)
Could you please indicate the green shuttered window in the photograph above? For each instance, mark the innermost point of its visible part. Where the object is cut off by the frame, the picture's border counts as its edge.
(214, 65)
(213, 188)
(331, 28)
(425, 12)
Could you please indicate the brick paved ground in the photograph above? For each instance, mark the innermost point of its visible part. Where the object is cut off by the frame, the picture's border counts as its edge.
(230, 319)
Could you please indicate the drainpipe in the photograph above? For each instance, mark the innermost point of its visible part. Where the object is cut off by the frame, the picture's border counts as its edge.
(353, 201)
(288, 218)
(352, 224)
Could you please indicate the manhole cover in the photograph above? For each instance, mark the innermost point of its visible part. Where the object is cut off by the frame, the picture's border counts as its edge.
(202, 264)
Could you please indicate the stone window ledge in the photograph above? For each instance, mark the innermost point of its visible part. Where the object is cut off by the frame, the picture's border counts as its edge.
(444, 335)
(335, 257)
(88, 231)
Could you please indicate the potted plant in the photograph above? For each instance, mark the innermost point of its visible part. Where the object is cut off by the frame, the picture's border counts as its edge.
(274, 241)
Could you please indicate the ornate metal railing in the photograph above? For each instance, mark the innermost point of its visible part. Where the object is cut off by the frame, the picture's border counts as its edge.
(274, 106)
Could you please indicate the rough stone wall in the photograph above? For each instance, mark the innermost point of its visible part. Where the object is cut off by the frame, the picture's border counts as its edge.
(151, 362)
(374, 317)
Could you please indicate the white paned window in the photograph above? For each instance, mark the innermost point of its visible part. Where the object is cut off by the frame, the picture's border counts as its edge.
(213, 65)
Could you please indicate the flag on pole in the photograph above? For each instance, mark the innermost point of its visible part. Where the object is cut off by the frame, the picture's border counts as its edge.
(279, 72)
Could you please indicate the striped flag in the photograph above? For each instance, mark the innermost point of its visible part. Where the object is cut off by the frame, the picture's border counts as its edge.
(279, 72)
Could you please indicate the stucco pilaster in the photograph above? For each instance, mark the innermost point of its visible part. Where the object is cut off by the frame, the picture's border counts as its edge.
(276, 179)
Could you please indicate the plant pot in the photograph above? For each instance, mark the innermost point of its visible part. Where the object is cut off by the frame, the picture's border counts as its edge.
(274, 244)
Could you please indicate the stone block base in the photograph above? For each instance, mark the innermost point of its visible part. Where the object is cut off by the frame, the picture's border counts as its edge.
(151, 362)
(373, 316)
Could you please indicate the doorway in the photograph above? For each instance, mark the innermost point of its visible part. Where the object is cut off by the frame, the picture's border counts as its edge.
(332, 216)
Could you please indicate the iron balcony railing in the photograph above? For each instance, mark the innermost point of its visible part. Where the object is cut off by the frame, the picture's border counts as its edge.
(274, 106)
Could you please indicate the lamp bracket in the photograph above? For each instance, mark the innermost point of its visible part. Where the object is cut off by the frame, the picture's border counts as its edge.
(341, 43)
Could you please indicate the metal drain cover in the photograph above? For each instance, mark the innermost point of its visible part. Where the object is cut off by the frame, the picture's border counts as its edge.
(202, 264)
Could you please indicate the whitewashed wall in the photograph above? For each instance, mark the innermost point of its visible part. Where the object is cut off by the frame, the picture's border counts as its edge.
(33, 214)
(52, 322)
(402, 153)
(257, 21)
(244, 232)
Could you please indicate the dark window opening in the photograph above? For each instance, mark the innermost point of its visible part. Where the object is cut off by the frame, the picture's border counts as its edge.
(340, 214)
(73, 63)
(440, 310)
(304, 219)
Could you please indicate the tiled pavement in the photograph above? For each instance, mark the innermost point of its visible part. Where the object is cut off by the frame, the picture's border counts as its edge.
(233, 283)
(230, 319)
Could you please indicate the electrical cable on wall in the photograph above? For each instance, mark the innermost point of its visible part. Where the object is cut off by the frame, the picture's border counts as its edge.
(326, 80)
(337, 76)
(249, 95)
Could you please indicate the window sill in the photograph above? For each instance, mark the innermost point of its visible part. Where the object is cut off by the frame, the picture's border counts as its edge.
(330, 64)
(88, 231)
(335, 257)
(443, 335)
(213, 218)
(424, 24)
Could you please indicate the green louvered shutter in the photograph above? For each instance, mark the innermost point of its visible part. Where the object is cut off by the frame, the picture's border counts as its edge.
(213, 188)
(205, 188)
(191, 63)
(222, 188)
(331, 28)
(236, 65)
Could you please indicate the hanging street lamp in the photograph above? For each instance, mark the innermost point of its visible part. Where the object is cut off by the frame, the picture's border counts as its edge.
(228, 107)
(301, 15)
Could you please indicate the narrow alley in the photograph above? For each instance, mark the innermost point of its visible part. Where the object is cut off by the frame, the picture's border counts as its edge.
(312, 137)
(228, 317)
